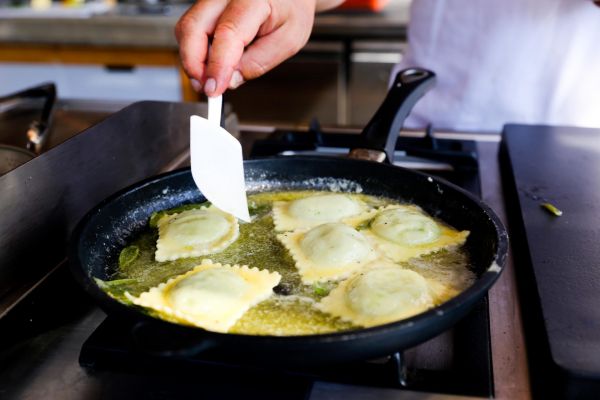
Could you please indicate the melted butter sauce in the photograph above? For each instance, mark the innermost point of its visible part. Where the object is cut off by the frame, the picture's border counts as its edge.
(290, 312)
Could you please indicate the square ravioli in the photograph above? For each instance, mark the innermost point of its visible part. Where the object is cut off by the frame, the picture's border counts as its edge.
(210, 296)
(328, 252)
(194, 233)
(380, 293)
(308, 212)
(403, 232)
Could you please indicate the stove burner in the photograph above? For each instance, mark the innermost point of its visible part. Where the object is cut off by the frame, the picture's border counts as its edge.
(113, 347)
(454, 153)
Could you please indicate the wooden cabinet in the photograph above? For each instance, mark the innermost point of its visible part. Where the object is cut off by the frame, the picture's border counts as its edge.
(158, 66)
(338, 82)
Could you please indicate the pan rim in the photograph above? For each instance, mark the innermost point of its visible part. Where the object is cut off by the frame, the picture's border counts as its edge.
(482, 284)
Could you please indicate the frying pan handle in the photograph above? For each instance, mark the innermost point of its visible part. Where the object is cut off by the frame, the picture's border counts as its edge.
(37, 133)
(38, 130)
(168, 342)
(378, 138)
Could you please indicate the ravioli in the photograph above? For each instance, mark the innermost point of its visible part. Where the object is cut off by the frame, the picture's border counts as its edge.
(405, 232)
(210, 296)
(320, 259)
(315, 210)
(383, 292)
(327, 252)
(194, 233)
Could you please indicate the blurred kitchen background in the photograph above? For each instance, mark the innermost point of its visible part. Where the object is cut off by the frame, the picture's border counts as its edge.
(103, 55)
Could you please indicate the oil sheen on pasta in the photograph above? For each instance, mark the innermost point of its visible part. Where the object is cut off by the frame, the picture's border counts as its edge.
(290, 310)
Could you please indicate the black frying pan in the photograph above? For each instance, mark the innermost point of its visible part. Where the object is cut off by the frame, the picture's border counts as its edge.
(105, 230)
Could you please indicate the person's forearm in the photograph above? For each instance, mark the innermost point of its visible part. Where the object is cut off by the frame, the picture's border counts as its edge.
(324, 5)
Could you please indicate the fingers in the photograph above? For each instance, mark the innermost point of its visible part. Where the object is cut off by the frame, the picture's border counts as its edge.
(279, 29)
(235, 29)
(271, 50)
(192, 32)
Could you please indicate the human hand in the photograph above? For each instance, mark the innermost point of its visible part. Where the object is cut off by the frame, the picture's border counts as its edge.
(249, 38)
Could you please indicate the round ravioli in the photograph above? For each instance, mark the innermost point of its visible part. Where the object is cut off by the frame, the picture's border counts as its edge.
(315, 210)
(405, 227)
(194, 233)
(405, 232)
(381, 293)
(328, 252)
(206, 290)
(211, 296)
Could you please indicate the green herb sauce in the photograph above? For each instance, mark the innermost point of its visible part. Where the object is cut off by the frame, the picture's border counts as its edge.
(288, 313)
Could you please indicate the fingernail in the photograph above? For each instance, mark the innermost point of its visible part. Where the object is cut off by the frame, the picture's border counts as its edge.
(210, 86)
(196, 85)
(236, 80)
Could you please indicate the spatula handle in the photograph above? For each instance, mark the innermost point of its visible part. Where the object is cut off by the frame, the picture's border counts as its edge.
(215, 105)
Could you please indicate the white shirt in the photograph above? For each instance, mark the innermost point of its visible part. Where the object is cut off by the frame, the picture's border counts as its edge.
(499, 61)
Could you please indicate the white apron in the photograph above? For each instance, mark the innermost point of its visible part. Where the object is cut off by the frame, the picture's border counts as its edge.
(499, 61)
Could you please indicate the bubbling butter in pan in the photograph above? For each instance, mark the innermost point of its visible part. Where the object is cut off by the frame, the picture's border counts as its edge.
(366, 261)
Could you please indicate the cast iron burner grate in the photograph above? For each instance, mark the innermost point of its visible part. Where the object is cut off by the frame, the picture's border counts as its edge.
(453, 160)
(110, 347)
(456, 362)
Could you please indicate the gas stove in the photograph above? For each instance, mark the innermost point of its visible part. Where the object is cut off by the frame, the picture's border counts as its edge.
(456, 362)
(55, 343)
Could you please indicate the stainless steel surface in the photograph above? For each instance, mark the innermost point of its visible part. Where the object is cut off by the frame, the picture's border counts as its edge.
(369, 69)
(337, 82)
(311, 84)
(110, 29)
(11, 157)
(72, 117)
(45, 202)
(47, 366)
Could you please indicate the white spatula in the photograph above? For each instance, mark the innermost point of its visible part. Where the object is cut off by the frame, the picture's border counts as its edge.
(217, 163)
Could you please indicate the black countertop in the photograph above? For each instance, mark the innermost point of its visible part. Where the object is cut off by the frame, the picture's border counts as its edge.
(559, 256)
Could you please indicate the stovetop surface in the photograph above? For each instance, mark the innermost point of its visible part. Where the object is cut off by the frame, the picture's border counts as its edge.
(42, 337)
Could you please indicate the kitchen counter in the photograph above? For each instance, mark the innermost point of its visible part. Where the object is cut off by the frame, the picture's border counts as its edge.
(123, 26)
